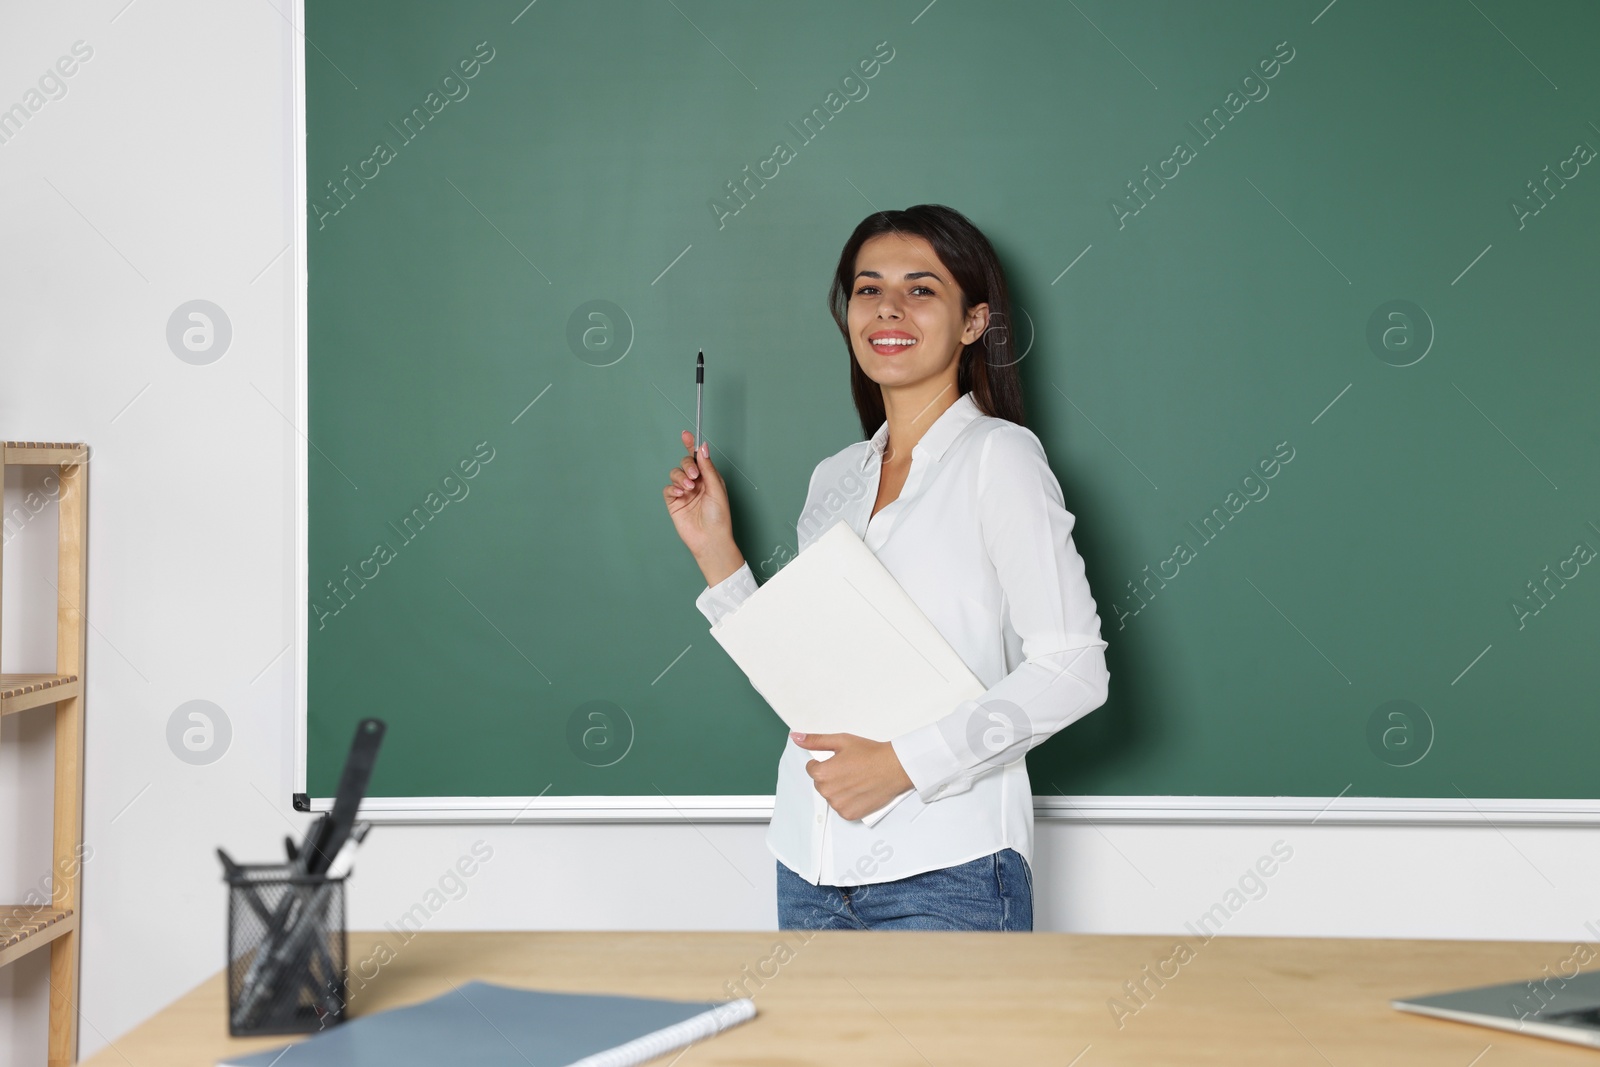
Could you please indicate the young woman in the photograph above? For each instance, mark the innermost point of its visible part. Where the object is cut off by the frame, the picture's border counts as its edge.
(954, 496)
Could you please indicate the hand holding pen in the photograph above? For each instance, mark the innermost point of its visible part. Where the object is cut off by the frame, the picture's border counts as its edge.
(697, 501)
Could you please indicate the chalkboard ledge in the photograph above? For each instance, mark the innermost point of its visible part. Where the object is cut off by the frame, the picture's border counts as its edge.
(1342, 809)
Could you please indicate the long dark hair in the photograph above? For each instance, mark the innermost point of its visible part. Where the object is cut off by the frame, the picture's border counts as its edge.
(988, 366)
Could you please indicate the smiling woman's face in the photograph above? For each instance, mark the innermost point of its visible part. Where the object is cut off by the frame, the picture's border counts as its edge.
(906, 322)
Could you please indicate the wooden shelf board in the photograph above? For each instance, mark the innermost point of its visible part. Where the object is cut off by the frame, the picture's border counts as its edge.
(25, 927)
(19, 692)
(50, 453)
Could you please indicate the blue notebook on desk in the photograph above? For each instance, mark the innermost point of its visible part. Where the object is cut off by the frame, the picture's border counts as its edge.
(483, 1025)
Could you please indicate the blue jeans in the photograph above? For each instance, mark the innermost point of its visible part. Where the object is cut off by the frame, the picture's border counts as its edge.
(993, 892)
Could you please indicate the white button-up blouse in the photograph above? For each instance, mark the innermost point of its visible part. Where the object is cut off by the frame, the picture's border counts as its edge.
(981, 541)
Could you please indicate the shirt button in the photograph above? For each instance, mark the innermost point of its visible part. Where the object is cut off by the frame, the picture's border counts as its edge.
(819, 819)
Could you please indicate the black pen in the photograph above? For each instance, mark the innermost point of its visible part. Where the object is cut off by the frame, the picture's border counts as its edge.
(699, 387)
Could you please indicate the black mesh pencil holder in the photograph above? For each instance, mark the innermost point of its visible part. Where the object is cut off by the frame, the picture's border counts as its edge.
(286, 951)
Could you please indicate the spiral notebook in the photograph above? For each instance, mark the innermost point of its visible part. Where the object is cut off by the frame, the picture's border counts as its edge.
(835, 645)
(483, 1025)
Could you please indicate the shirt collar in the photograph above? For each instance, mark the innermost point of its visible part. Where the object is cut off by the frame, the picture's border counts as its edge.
(938, 437)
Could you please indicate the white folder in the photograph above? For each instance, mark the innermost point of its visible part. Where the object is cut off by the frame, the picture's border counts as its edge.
(834, 645)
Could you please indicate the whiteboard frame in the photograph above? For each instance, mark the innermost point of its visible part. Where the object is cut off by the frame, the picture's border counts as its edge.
(1335, 811)
(758, 808)
(300, 233)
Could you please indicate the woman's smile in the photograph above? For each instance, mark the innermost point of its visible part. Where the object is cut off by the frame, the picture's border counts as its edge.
(890, 342)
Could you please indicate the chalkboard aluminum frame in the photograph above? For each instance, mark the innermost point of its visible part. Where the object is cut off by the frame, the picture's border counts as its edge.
(1340, 810)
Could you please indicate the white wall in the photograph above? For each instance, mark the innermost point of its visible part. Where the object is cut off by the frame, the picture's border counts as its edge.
(164, 176)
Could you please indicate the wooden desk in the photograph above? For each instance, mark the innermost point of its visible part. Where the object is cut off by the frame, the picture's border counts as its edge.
(892, 999)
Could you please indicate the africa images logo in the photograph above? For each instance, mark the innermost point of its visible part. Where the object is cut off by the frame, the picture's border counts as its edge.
(343, 192)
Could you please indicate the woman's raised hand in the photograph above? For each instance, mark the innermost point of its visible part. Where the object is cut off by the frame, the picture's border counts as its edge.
(697, 500)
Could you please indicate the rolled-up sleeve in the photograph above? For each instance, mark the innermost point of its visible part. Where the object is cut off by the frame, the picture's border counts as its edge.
(723, 599)
(1027, 532)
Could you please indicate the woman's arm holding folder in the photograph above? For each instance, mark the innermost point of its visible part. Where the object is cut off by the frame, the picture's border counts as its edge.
(1027, 531)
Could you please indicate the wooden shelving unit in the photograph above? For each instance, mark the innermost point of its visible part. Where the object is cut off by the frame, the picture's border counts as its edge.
(30, 927)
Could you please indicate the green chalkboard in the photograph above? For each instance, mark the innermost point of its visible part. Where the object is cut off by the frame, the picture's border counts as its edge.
(1352, 243)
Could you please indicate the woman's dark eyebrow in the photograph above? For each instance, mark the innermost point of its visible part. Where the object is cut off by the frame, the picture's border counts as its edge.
(912, 274)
